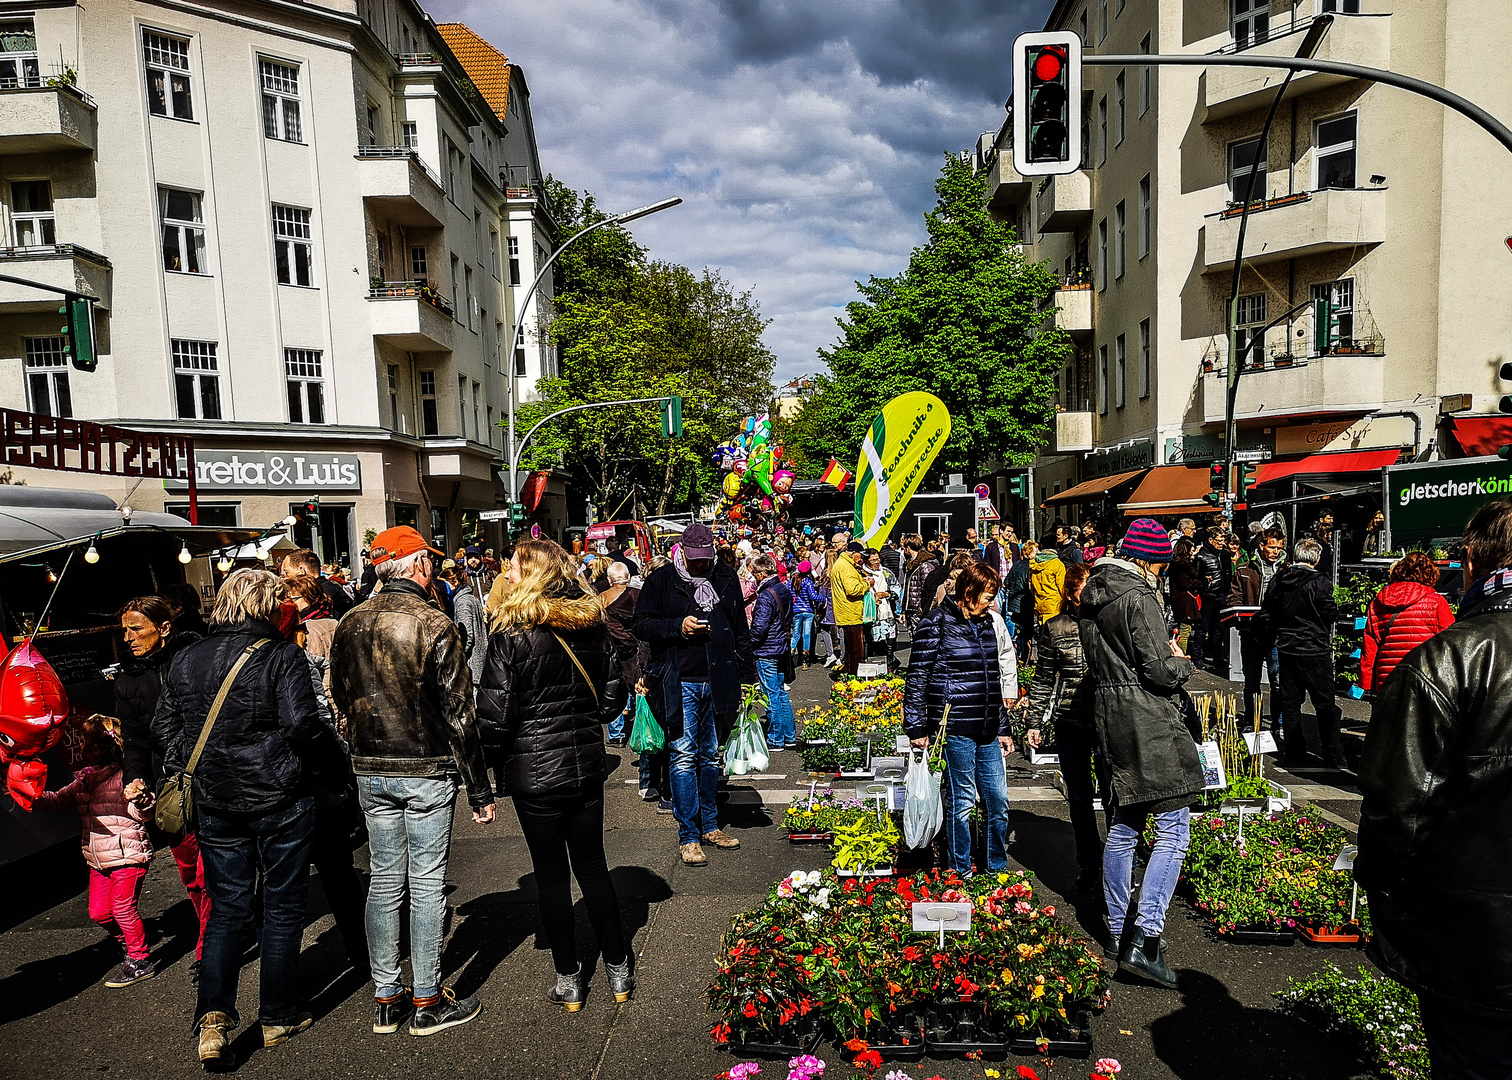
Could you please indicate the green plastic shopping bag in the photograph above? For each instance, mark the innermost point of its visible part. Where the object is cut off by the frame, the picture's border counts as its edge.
(646, 737)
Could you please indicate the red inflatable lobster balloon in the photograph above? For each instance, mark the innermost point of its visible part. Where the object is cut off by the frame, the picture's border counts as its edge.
(33, 709)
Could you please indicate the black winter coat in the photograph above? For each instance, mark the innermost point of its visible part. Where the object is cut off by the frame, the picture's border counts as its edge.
(772, 620)
(1137, 687)
(1299, 611)
(541, 723)
(268, 742)
(1217, 570)
(137, 687)
(1061, 655)
(954, 661)
(1436, 821)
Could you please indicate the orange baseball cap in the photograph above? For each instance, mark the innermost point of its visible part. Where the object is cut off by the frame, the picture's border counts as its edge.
(396, 543)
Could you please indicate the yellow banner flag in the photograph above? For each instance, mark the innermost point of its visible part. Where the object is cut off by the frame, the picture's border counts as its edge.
(905, 438)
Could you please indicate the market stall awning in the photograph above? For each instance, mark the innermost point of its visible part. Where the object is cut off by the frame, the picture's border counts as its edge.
(1481, 436)
(1336, 464)
(1091, 490)
(1170, 489)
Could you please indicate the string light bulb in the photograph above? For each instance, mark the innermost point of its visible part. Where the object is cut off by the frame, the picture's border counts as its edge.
(52, 576)
(224, 564)
(184, 556)
(92, 556)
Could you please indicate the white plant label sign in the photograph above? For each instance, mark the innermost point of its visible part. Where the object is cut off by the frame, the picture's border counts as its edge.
(933, 917)
(1260, 742)
(1346, 858)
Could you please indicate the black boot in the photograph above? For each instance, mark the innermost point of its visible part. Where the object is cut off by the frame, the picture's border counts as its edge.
(569, 990)
(1145, 958)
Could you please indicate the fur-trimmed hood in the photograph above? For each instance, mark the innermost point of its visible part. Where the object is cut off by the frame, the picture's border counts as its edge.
(581, 612)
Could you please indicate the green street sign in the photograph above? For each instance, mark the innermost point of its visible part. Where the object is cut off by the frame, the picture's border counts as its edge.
(1434, 501)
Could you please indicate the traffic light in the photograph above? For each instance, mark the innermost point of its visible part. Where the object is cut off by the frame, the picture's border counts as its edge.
(1218, 482)
(1047, 130)
(78, 331)
(310, 511)
(672, 422)
(516, 515)
(1019, 485)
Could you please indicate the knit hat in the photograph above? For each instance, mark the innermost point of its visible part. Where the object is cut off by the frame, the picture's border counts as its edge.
(805, 566)
(1146, 540)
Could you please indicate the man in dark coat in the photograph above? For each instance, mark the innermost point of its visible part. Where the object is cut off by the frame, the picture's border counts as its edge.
(692, 614)
(1298, 616)
(1436, 820)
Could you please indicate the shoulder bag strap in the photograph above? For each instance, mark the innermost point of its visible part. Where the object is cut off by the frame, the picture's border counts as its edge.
(220, 699)
(577, 664)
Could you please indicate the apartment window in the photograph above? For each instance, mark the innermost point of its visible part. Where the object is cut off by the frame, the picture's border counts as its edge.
(306, 384)
(1102, 380)
(383, 257)
(1250, 21)
(1144, 216)
(1144, 358)
(1119, 230)
(467, 274)
(1120, 372)
(493, 251)
(430, 424)
(32, 213)
(514, 260)
(1102, 254)
(196, 379)
(455, 274)
(411, 134)
(1102, 131)
(370, 114)
(477, 395)
(393, 393)
(1340, 294)
(520, 362)
(491, 427)
(18, 55)
(280, 101)
(292, 247)
(1145, 73)
(47, 377)
(451, 169)
(183, 231)
(1118, 110)
(1102, 19)
(168, 91)
(1242, 157)
(1249, 341)
(417, 264)
(1340, 7)
(1335, 154)
(462, 406)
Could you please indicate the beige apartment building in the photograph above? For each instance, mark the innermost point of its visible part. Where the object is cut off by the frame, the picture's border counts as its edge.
(1378, 201)
(300, 222)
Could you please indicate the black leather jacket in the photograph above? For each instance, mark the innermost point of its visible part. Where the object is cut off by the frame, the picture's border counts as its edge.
(1436, 820)
(1060, 656)
(399, 674)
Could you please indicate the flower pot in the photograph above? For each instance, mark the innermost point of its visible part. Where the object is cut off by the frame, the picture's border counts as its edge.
(801, 1037)
(903, 1041)
(810, 837)
(1281, 936)
(963, 1027)
(1347, 936)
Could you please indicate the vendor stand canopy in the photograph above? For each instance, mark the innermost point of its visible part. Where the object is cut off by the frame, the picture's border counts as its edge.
(35, 522)
(1094, 489)
(1171, 489)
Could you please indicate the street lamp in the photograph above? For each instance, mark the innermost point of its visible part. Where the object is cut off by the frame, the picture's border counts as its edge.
(512, 482)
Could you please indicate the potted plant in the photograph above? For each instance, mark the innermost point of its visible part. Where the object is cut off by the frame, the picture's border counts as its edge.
(865, 847)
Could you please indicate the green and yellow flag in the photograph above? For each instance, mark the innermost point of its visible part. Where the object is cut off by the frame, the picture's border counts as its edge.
(905, 438)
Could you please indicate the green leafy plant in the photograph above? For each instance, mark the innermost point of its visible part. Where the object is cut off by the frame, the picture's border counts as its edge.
(825, 812)
(1380, 1016)
(866, 843)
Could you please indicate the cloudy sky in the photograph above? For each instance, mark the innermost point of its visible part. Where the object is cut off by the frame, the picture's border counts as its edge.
(803, 135)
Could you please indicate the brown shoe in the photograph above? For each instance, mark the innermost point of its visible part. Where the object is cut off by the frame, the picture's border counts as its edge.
(214, 1047)
(278, 1034)
(693, 855)
(721, 839)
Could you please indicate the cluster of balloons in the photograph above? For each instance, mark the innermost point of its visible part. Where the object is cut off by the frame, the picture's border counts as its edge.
(757, 489)
(33, 710)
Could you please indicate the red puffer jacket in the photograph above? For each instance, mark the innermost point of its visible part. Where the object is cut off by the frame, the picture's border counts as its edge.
(1402, 616)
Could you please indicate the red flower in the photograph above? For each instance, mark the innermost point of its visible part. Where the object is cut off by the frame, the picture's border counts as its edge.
(750, 1008)
(1027, 1073)
(870, 1060)
(721, 1033)
(912, 953)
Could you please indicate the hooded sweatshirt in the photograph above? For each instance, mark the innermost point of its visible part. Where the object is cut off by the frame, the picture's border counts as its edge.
(1046, 576)
(1402, 616)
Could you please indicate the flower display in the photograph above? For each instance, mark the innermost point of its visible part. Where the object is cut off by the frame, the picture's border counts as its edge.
(824, 812)
(872, 707)
(1380, 1016)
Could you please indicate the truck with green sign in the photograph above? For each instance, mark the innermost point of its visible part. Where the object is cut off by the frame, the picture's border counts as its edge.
(1429, 504)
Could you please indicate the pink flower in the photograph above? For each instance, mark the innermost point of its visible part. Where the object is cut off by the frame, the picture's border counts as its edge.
(805, 1067)
(1108, 1066)
(1021, 908)
(743, 1070)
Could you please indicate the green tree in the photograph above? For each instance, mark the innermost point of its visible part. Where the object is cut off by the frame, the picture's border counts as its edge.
(629, 327)
(967, 321)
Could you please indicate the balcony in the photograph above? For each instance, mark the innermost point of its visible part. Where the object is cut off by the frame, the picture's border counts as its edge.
(1006, 189)
(63, 266)
(1064, 203)
(410, 315)
(1352, 39)
(1074, 304)
(400, 187)
(1334, 383)
(45, 119)
(1290, 227)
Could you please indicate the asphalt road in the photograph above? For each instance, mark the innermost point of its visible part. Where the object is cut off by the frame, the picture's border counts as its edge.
(57, 1020)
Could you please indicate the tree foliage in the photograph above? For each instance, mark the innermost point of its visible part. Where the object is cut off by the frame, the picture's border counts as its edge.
(966, 321)
(626, 326)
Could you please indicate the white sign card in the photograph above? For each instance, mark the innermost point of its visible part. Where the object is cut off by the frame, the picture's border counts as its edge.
(932, 917)
(1346, 858)
(1211, 759)
(1260, 742)
(901, 744)
(871, 671)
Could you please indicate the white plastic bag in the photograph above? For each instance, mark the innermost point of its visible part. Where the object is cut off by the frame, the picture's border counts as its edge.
(923, 810)
(746, 751)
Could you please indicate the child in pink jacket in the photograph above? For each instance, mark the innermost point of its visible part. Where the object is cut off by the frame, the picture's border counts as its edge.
(115, 843)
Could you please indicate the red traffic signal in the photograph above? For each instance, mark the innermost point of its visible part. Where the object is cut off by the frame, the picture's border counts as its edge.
(1046, 105)
(1050, 62)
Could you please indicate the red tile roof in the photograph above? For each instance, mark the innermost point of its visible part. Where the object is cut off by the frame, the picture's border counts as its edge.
(485, 65)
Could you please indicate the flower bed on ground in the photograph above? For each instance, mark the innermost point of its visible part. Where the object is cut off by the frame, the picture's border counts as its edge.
(845, 952)
(825, 812)
(871, 707)
(1281, 875)
(1380, 1016)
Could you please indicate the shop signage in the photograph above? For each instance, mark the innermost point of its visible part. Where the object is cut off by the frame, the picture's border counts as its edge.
(1201, 449)
(259, 470)
(1365, 433)
(1436, 500)
(1137, 455)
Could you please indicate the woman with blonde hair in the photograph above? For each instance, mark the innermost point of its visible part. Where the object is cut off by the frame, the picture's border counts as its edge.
(549, 684)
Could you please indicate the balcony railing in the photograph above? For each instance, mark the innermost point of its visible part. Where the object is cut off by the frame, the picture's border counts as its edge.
(417, 60)
(44, 251)
(29, 81)
(1269, 34)
(411, 290)
(401, 152)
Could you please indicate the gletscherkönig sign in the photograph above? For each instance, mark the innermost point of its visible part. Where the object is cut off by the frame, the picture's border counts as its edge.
(1436, 500)
(257, 470)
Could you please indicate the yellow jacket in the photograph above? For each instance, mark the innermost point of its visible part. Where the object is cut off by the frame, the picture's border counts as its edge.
(847, 591)
(1045, 581)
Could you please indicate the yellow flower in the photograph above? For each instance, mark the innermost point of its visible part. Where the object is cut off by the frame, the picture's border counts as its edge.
(1002, 879)
(1025, 951)
(1037, 992)
(1007, 977)
(991, 1072)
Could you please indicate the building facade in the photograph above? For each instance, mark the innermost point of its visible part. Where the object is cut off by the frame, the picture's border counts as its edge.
(297, 221)
(1367, 198)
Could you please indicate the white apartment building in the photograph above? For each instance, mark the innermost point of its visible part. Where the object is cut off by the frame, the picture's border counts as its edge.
(1377, 200)
(295, 218)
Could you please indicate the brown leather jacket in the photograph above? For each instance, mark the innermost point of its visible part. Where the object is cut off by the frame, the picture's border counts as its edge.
(399, 674)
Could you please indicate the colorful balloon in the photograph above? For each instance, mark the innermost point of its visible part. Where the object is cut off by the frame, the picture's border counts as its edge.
(732, 485)
(33, 710)
(782, 481)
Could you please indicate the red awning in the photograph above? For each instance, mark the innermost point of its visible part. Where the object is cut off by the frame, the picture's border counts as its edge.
(1480, 436)
(1349, 461)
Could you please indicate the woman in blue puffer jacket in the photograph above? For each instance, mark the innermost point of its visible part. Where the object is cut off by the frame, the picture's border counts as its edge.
(807, 604)
(963, 658)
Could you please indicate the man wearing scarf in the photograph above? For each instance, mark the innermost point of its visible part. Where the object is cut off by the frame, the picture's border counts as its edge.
(1436, 821)
(692, 615)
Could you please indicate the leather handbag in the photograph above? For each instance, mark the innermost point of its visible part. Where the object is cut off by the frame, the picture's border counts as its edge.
(174, 812)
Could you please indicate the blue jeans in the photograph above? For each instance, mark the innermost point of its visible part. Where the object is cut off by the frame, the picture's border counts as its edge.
(1172, 834)
(409, 823)
(619, 725)
(236, 849)
(781, 727)
(803, 633)
(976, 769)
(695, 766)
